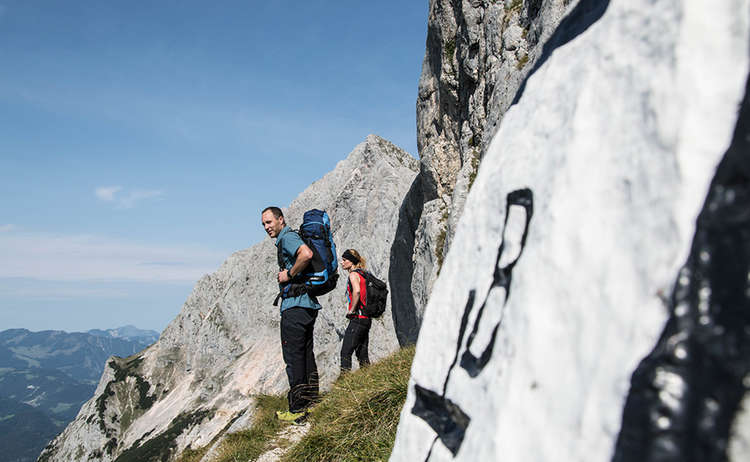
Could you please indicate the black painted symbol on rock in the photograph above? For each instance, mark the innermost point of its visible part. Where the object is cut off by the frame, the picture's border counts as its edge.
(686, 393)
(509, 248)
(444, 416)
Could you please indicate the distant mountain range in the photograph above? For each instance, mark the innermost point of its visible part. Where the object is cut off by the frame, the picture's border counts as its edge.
(46, 376)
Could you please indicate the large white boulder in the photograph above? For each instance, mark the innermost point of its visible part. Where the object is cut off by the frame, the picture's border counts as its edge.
(562, 279)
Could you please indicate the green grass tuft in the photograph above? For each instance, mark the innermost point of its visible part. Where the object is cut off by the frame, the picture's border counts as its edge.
(439, 244)
(514, 5)
(450, 49)
(522, 61)
(193, 455)
(474, 167)
(440, 240)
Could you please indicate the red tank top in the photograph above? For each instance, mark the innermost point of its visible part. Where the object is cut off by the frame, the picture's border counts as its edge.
(362, 296)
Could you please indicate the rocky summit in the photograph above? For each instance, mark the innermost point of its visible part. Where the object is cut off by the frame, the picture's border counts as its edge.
(594, 304)
(199, 377)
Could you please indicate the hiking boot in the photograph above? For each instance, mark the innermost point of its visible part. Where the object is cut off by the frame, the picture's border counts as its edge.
(300, 420)
(296, 418)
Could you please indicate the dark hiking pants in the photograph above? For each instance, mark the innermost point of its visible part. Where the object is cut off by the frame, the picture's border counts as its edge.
(297, 348)
(356, 338)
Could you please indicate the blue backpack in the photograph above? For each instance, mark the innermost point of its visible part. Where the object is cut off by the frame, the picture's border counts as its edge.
(321, 274)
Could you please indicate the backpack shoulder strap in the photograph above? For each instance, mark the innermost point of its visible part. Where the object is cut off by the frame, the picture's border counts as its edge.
(349, 281)
(279, 255)
(362, 273)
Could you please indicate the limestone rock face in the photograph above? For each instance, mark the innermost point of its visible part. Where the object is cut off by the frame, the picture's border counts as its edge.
(198, 378)
(594, 304)
(477, 54)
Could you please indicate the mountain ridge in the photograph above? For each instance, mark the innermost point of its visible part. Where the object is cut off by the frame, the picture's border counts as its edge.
(45, 377)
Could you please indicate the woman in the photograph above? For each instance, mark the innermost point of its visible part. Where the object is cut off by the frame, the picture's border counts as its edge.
(357, 333)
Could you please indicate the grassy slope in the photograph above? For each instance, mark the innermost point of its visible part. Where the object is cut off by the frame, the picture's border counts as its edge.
(355, 421)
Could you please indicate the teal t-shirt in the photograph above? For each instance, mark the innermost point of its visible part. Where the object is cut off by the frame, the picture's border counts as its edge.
(289, 242)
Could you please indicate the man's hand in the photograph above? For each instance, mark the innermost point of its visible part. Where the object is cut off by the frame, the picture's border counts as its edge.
(302, 258)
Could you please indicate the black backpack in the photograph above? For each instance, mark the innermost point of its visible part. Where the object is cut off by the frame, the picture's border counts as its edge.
(377, 295)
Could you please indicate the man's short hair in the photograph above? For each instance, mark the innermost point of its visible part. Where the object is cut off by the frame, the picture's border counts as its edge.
(277, 213)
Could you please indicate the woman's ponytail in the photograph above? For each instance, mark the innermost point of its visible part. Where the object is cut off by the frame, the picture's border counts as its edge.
(358, 262)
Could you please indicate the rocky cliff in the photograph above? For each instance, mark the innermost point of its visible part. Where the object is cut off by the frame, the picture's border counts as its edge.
(199, 377)
(477, 55)
(595, 302)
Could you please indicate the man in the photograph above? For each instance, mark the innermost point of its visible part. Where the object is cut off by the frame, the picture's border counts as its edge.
(298, 314)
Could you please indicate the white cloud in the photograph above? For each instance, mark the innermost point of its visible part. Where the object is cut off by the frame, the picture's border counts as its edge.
(107, 193)
(136, 196)
(126, 199)
(7, 228)
(82, 257)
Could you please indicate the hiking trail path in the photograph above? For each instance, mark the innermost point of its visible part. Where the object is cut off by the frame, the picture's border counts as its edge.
(285, 439)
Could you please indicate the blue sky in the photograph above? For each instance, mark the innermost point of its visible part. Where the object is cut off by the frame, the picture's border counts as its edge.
(139, 140)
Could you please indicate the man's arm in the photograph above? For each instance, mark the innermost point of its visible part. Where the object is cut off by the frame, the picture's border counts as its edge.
(303, 257)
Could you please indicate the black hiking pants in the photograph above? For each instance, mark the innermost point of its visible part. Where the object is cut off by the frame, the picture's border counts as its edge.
(297, 348)
(356, 338)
